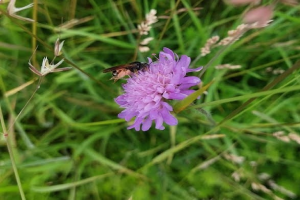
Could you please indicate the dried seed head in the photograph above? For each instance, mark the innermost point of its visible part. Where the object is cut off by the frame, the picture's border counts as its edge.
(281, 136)
(145, 26)
(207, 163)
(281, 189)
(236, 176)
(239, 30)
(143, 43)
(151, 17)
(290, 2)
(264, 176)
(146, 41)
(234, 35)
(278, 71)
(258, 186)
(209, 44)
(228, 66)
(226, 41)
(295, 137)
(144, 48)
(234, 158)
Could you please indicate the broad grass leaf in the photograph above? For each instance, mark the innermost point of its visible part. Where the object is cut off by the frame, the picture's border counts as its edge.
(181, 105)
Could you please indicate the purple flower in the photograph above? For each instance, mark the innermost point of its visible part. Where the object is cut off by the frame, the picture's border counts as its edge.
(146, 93)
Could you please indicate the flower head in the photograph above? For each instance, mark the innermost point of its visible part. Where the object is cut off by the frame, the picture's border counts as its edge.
(47, 68)
(147, 92)
(12, 10)
(58, 47)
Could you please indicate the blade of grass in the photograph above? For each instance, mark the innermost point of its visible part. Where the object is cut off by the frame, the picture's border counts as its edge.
(70, 185)
(178, 30)
(247, 96)
(181, 105)
(280, 78)
(103, 160)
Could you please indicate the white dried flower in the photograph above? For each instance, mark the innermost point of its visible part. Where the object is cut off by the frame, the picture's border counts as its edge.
(281, 189)
(236, 176)
(258, 186)
(47, 68)
(228, 66)
(12, 10)
(278, 71)
(144, 48)
(295, 137)
(146, 41)
(269, 69)
(234, 158)
(264, 176)
(280, 135)
(58, 47)
(207, 163)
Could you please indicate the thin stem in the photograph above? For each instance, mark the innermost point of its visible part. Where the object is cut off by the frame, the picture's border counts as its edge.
(72, 12)
(34, 31)
(208, 116)
(13, 163)
(173, 142)
(137, 47)
(166, 25)
(37, 87)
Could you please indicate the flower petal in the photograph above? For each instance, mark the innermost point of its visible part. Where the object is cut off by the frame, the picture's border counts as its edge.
(194, 69)
(169, 118)
(176, 96)
(137, 124)
(169, 51)
(147, 124)
(191, 79)
(159, 122)
(184, 62)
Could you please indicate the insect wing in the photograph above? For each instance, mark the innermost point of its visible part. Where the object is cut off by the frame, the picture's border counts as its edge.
(119, 67)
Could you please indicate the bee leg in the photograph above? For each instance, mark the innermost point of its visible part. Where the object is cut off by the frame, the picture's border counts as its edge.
(113, 78)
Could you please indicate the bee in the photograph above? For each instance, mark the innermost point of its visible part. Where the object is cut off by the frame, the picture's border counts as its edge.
(126, 70)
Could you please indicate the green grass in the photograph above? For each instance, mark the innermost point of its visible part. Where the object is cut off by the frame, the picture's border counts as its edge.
(68, 142)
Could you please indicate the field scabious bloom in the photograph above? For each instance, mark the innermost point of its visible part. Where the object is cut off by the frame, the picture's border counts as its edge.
(146, 94)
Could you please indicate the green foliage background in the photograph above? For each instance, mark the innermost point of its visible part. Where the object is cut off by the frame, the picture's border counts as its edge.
(69, 144)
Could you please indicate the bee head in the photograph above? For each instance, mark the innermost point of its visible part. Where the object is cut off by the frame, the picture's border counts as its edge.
(114, 73)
